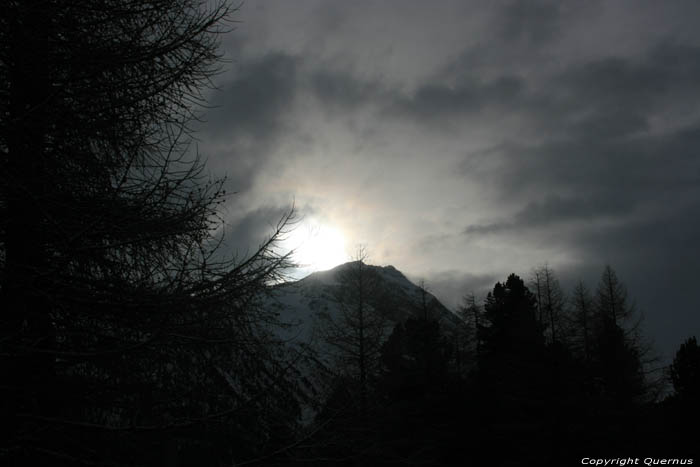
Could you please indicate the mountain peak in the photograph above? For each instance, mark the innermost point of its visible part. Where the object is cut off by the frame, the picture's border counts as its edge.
(299, 302)
(387, 273)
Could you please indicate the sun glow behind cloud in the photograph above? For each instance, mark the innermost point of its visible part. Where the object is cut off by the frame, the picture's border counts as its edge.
(316, 247)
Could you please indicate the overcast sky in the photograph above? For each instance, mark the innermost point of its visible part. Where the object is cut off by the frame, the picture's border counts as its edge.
(462, 141)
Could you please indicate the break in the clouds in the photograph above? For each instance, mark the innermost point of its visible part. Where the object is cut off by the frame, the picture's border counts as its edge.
(462, 141)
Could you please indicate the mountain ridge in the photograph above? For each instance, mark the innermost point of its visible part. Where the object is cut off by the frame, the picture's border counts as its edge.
(299, 302)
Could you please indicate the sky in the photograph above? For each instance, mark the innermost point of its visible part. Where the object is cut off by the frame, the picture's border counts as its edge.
(462, 141)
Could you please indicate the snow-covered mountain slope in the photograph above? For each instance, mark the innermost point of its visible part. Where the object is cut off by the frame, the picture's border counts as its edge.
(317, 311)
(300, 303)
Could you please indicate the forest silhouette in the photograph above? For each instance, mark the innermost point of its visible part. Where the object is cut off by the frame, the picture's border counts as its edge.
(503, 388)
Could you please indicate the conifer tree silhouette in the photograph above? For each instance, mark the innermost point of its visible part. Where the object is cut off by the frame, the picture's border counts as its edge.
(123, 319)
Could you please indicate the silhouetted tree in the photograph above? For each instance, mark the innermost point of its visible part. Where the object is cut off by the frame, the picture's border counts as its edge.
(682, 408)
(417, 354)
(685, 372)
(468, 334)
(511, 361)
(122, 318)
(550, 303)
(418, 391)
(355, 333)
(352, 335)
(510, 312)
(512, 381)
(582, 309)
(618, 346)
(612, 301)
(425, 305)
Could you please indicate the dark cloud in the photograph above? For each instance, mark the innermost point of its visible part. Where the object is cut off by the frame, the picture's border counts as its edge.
(341, 91)
(255, 100)
(600, 99)
(434, 103)
(624, 169)
(248, 115)
(615, 97)
(529, 21)
(598, 155)
(553, 209)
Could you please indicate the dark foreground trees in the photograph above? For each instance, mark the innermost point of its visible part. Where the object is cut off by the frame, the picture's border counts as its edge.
(127, 335)
(682, 406)
(530, 399)
(685, 372)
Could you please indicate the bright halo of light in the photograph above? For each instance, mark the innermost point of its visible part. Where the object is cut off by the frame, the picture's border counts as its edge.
(317, 247)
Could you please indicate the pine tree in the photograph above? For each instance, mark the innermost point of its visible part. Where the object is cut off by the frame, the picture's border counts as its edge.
(511, 363)
(417, 354)
(510, 311)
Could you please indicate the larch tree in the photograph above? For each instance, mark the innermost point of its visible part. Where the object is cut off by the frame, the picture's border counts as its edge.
(550, 303)
(582, 320)
(352, 334)
(355, 333)
(612, 301)
(122, 317)
(468, 334)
